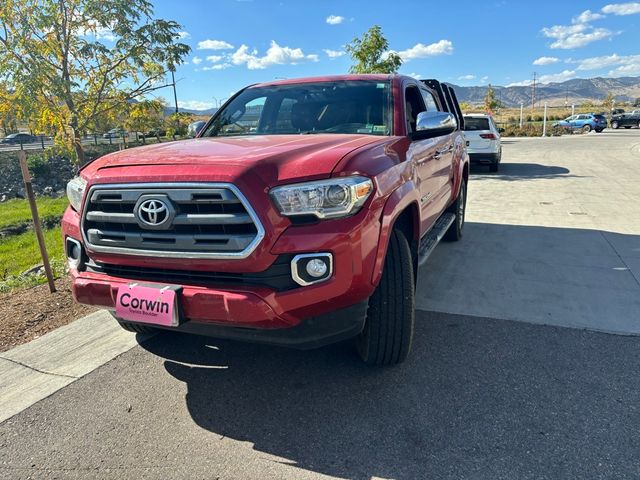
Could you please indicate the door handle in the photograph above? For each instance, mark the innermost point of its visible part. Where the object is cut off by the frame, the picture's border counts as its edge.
(442, 151)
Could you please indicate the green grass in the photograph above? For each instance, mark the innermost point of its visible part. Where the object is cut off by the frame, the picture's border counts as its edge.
(17, 211)
(20, 252)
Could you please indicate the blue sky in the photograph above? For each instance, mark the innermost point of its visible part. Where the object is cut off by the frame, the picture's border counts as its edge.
(502, 42)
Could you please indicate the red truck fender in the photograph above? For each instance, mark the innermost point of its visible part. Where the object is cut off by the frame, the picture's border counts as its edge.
(403, 199)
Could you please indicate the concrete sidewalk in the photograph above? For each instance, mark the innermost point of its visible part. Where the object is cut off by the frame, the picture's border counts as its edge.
(35, 370)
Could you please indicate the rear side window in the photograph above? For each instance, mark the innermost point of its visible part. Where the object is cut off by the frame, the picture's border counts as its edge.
(476, 123)
(429, 101)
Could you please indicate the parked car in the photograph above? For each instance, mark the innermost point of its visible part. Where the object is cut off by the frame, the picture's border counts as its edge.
(483, 140)
(116, 133)
(626, 120)
(584, 121)
(156, 132)
(304, 229)
(194, 128)
(18, 138)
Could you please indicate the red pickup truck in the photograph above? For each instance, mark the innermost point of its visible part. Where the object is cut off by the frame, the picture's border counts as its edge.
(298, 217)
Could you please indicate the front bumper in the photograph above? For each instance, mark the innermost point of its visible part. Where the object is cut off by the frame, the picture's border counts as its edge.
(304, 317)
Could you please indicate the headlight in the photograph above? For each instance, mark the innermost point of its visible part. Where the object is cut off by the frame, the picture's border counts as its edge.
(337, 197)
(75, 191)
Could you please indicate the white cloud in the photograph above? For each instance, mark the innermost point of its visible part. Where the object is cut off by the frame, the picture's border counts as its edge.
(631, 69)
(195, 104)
(415, 75)
(196, 60)
(334, 19)
(546, 60)
(597, 63)
(575, 36)
(587, 16)
(334, 53)
(557, 77)
(214, 45)
(467, 77)
(214, 58)
(275, 55)
(419, 50)
(484, 79)
(552, 78)
(184, 35)
(218, 66)
(628, 8)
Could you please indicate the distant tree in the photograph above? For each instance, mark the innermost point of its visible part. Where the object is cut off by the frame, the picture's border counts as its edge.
(370, 53)
(81, 58)
(145, 115)
(178, 123)
(608, 102)
(8, 111)
(637, 102)
(491, 103)
(466, 106)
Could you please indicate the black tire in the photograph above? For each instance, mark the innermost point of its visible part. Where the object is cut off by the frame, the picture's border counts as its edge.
(586, 128)
(638, 124)
(459, 207)
(388, 331)
(136, 327)
(628, 126)
(615, 125)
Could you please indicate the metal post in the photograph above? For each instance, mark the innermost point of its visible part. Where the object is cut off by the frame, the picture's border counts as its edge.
(521, 109)
(95, 138)
(42, 141)
(544, 122)
(26, 176)
(573, 109)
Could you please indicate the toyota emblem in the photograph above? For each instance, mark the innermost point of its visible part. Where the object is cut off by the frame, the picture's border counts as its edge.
(153, 212)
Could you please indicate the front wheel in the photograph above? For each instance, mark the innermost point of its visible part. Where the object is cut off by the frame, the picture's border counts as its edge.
(615, 125)
(388, 331)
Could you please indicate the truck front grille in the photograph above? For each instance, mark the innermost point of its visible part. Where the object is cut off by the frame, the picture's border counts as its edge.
(177, 220)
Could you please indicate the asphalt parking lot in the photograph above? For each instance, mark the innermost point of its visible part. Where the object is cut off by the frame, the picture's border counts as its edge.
(498, 386)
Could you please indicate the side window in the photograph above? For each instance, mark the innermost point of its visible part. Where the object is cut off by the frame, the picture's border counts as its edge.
(429, 100)
(413, 106)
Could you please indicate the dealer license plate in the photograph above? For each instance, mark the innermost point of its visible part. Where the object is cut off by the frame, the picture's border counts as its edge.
(156, 305)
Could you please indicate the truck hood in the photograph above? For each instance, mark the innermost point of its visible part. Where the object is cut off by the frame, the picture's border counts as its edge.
(274, 158)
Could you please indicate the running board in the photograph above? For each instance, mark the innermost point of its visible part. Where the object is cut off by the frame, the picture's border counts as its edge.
(432, 237)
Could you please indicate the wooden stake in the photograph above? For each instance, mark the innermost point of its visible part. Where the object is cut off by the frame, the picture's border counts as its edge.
(26, 176)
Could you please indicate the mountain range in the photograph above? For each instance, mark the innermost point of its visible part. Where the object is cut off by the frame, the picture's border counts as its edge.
(574, 91)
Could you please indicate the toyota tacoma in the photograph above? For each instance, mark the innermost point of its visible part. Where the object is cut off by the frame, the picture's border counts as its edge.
(297, 217)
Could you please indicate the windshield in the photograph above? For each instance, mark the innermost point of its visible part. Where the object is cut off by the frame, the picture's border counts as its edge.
(357, 106)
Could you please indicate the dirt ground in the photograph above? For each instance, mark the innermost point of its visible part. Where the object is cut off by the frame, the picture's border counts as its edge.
(30, 313)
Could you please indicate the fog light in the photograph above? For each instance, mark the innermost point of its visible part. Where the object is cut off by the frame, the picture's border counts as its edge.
(310, 268)
(317, 268)
(74, 252)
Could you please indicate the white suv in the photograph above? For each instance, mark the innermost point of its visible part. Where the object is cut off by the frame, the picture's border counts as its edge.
(483, 138)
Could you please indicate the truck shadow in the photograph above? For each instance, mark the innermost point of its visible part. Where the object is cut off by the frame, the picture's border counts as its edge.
(477, 397)
(520, 171)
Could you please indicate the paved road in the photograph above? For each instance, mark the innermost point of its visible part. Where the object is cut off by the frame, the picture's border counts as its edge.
(479, 397)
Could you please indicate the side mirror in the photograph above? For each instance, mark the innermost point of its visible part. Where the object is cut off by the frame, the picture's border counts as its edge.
(434, 124)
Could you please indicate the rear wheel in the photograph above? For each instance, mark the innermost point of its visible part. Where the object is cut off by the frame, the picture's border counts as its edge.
(458, 207)
(586, 128)
(388, 331)
(615, 124)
